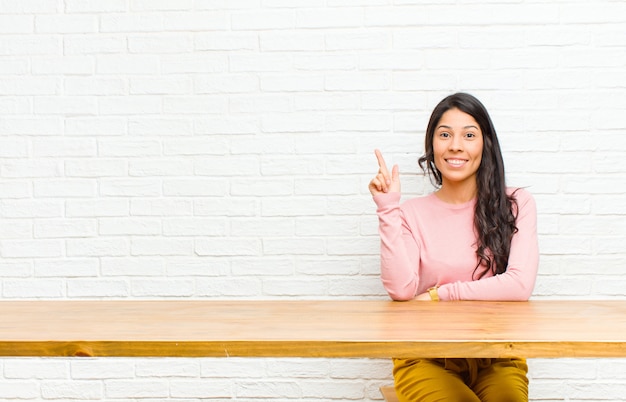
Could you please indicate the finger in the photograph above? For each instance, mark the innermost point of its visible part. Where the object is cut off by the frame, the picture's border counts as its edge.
(381, 161)
(381, 181)
(376, 185)
(395, 173)
(383, 166)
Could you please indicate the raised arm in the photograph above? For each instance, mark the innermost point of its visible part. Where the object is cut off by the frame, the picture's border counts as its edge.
(399, 251)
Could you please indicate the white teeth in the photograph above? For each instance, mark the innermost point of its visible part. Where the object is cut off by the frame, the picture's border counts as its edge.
(456, 162)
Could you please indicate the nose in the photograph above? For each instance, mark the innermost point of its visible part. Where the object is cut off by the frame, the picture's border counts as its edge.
(456, 144)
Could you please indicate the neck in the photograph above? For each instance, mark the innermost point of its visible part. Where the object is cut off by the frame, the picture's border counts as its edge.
(457, 193)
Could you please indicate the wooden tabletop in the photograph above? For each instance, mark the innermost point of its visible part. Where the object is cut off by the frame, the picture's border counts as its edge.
(313, 328)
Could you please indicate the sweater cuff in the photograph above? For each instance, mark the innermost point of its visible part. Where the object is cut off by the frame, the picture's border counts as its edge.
(387, 199)
(444, 292)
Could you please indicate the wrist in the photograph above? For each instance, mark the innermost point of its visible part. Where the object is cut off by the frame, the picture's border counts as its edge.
(434, 294)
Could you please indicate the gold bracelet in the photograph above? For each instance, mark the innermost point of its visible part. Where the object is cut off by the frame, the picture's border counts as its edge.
(434, 295)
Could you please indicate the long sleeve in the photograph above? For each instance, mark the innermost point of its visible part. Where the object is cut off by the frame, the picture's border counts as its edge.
(517, 283)
(399, 250)
(427, 242)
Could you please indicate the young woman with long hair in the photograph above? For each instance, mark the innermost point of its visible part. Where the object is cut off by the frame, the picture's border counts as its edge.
(473, 238)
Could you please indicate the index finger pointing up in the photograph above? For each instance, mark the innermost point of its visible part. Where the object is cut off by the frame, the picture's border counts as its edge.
(381, 161)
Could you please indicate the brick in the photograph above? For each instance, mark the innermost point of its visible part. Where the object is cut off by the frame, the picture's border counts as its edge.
(66, 24)
(86, 390)
(262, 20)
(200, 389)
(195, 104)
(15, 190)
(32, 248)
(234, 367)
(164, 368)
(261, 227)
(282, 246)
(135, 389)
(229, 41)
(28, 7)
(161, 207)
(51, 228)
(160, 167)
(193, 63)
(95, 126)
(260, 63)
(130, 187)
(97, 207)
(293, 206)
(335, 17)
(102, 369)
(129, 105)
(35, 369)
(94, 6)
(198, 21)
(151, 246)
(128, 226)
(14, 45)
(259, 187)
(97, 247)
(265, 103)
(160, 85)
(22, 269)
(275, 266)
(132, 23)
(195, 187)
(231, 287)
(67, 268)
(32, 288)
(87, 44)
(127, 64)
(197, 266)
(157, 288)
(16, 24)
(97, 288)
(292, 83)
(122, 148)
(227, 247)
(289, 41)
(268, 389)
(161, 44)
(194, 227)
(135, 266)
(19, 390)
(160, 5)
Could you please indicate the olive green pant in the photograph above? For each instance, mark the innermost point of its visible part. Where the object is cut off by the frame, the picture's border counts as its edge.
(461, 380)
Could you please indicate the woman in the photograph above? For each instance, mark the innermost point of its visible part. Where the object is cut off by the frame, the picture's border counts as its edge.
(471, 239)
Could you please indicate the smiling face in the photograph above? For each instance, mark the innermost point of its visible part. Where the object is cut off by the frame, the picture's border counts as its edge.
(457, 149)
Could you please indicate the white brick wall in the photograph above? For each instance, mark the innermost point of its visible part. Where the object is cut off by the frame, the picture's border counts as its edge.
(222, 149)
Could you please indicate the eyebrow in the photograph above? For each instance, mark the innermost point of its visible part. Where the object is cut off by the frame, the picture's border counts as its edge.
(450, 128)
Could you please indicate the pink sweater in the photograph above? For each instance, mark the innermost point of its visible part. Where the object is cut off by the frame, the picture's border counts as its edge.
(427, 242)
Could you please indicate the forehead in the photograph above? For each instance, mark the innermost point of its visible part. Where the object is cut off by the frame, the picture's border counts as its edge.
(456, 118)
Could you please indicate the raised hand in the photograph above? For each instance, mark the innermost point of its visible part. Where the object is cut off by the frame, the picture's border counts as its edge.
(384, 182)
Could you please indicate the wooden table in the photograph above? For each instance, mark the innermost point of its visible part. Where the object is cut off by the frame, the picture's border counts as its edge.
(313, 328)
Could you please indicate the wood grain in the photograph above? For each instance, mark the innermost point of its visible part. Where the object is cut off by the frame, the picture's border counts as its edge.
(313, 328)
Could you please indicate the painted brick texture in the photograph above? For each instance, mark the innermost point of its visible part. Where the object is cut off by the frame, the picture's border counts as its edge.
(222, 149)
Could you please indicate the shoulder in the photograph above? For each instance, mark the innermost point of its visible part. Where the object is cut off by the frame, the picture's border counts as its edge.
(519, 194)
(524, 200)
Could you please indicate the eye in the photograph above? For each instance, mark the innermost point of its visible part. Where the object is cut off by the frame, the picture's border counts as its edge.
(444, 134)
(470, 135)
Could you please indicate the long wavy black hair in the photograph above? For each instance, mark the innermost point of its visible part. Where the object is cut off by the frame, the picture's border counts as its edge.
(495, 211)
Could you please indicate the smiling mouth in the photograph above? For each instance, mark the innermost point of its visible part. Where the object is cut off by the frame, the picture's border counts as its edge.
(456, 162)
